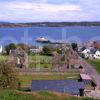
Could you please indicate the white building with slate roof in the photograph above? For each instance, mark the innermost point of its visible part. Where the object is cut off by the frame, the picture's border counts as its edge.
(1, 49)
(97, 55)
(91, 53)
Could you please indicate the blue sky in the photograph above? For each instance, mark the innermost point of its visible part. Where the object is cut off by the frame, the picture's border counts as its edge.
(49, 10)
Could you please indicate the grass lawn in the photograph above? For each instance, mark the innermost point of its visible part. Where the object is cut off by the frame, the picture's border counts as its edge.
(26, 80)
(96, 65)
(41, 58)
(43, 65)
(17, 95)
(40, 61)
(35, 60)
(3, 57)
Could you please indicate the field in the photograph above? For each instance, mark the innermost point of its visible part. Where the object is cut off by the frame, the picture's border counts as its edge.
(35, 61)
(40, 61)
(17, 95)
(27, 79)
(96, 65)
(44, 62)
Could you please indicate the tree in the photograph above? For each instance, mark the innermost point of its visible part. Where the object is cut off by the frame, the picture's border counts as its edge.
(74, 46)
(8, 75)
(59, 51)
(47, 50)
(25, 47)
(9, 47)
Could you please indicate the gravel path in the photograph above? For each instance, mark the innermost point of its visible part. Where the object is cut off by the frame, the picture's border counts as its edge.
(91, 71)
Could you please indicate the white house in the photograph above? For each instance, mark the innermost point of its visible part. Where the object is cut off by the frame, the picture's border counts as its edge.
(1, 49)
(86, 53)
(35, 49)
(91, 53)
(97, 55)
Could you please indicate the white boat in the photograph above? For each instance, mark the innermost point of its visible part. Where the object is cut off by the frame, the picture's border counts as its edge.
(42, 39)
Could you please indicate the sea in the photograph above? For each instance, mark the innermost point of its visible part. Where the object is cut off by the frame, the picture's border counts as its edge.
(66, 34)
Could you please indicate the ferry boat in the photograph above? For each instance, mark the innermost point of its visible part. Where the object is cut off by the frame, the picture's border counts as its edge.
(42, 40)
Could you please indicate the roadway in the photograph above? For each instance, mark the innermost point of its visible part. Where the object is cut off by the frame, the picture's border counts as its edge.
(89, 69)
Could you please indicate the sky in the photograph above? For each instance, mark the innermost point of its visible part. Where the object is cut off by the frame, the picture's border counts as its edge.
(49, 10)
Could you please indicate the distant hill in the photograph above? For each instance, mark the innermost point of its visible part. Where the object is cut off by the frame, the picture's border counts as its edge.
(1, 22)
(50, 24)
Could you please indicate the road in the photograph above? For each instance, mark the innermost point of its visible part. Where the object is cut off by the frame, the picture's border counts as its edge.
(91, 71)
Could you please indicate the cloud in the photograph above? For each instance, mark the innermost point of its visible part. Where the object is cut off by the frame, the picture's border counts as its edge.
(43, 10)
(38, 6)
(29, 11)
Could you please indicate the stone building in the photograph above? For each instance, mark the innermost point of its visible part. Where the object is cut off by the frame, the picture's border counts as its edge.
(19, 57)
(66, 60)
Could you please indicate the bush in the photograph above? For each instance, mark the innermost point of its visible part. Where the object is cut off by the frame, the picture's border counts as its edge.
(25, 89)
(8, 75)
(47, 51)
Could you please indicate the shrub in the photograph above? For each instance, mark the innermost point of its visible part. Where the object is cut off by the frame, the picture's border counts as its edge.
(8, 75)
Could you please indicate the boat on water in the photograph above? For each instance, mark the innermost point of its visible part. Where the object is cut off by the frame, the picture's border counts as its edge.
(57, 42)
(45, 40)
(42, 40)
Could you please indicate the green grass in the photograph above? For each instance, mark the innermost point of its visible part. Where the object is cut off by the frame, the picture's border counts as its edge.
(27, 79)
(46, 66)
(41, 58)
(17, 95)
(96, 65)
(13, 95)
(35, 60)
(40, 61)
(3, 57)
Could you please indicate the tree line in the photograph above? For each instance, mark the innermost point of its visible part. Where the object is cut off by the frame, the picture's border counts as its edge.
(50, 24)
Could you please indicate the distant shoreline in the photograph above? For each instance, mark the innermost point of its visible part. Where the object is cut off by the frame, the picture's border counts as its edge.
(49, 24)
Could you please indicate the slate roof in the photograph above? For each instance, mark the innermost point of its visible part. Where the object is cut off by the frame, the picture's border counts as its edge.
(93, 51)
(85, 77)
(63, 86)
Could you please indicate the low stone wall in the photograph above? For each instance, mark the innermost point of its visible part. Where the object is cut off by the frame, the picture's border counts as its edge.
(32, 71)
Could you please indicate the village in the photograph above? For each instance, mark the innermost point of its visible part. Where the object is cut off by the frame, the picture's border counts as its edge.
(91, 50)
(49, 50)
(56, 63)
